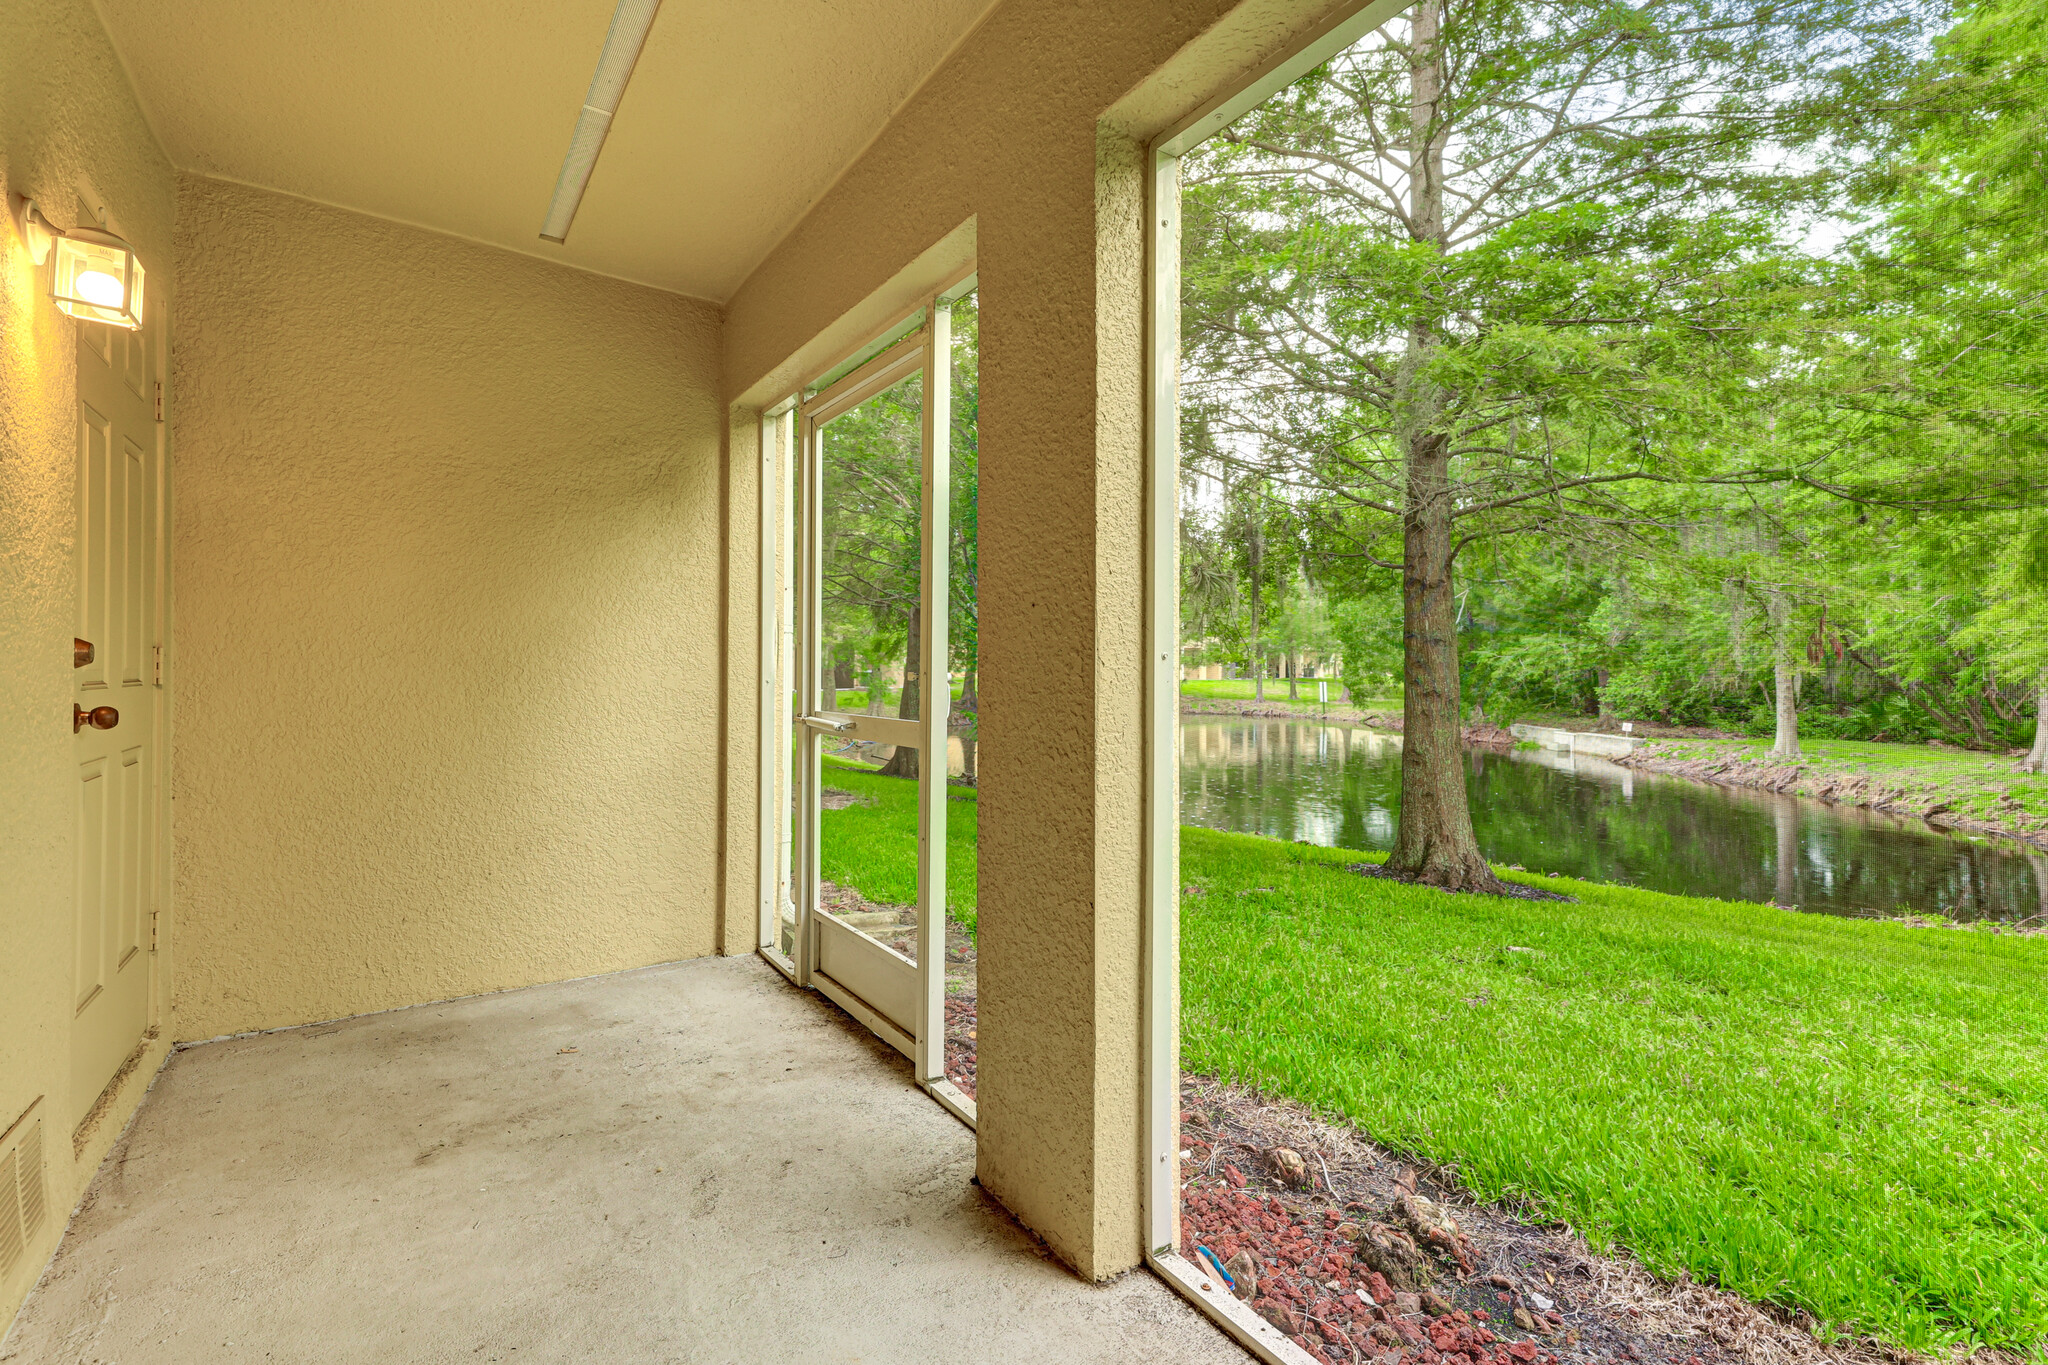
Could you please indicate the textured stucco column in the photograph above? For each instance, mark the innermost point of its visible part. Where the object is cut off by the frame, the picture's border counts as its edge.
(1008, 138)
(741, 694)
(1062, 571)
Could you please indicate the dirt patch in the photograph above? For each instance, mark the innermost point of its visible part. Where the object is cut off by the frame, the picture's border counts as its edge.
(833, 798)
(1515, 890)
(896, 926)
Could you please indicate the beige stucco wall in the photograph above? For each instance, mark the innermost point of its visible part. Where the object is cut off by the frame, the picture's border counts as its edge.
(1033, 132)
(449, 613)
(65, 111)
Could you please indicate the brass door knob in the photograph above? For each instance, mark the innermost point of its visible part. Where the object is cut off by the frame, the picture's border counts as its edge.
(99, 718)
(81, 652)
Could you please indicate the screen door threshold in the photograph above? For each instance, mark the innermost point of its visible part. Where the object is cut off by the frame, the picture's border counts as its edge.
(883, 1027)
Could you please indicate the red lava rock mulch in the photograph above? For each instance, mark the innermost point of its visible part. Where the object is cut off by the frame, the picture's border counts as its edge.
(960, 1041)
(1324, 1221)
(1310, 1283)
(1323, 1218)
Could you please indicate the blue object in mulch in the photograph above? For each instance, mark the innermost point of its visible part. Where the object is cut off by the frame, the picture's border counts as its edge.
(1210, 1257)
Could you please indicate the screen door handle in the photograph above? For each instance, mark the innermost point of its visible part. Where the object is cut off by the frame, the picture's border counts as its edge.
(826, 723)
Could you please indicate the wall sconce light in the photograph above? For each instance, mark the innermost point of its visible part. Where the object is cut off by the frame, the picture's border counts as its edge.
(97, 278)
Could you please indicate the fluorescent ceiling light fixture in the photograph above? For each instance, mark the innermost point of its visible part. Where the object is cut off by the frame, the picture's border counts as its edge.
(622, 44)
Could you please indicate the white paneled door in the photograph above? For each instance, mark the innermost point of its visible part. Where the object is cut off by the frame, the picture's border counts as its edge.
(117, 661)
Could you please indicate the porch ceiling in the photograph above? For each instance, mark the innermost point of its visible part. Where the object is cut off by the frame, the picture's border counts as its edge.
(455, 115)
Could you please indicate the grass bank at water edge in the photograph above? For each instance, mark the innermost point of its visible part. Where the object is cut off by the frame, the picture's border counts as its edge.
(1979, 791)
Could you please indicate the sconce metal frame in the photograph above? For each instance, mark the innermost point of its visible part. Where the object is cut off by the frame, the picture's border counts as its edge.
(83, 252)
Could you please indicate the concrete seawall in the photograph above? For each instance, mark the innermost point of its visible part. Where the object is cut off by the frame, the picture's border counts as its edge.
(1576, 741)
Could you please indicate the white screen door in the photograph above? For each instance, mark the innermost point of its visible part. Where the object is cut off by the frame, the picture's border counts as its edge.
(856, 654)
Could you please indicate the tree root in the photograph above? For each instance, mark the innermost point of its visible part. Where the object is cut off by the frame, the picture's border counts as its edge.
(1492, 886)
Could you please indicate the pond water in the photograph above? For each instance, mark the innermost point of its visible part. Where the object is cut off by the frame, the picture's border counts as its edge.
(1339, 785)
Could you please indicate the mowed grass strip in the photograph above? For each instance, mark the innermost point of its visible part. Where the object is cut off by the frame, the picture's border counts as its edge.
(1840, 1115)
(872, 846)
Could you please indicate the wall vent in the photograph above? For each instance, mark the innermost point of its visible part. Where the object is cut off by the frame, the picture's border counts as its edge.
(22, 1203)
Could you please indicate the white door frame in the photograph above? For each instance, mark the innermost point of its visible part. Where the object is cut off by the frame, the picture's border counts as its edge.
(903, 1003)
(1161, 838)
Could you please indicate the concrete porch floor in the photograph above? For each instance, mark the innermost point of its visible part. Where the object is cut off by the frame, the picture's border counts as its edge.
(724, 1169)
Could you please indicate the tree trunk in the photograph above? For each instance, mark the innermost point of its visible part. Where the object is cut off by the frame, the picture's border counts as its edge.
(1434, 842)
(1258, 659)
(1785, 741)
(1973, 712)
(1784, 680)
(970, 735)
(1293, 682)
(2036, 760)
(903, 763)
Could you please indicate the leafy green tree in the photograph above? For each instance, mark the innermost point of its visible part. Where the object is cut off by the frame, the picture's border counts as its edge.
(1257, 530)
(873, 536)
(2012, 628)
(1477, 276)
(1302, 626)
(871, 531)
(1368, 634)
(963, 624)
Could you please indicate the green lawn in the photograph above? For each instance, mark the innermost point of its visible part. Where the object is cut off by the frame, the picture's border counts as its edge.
(1840, 1115)
(1240, 689)
(872, 847)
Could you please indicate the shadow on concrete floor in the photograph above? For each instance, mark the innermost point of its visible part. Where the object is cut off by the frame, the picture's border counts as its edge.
(694, 1162)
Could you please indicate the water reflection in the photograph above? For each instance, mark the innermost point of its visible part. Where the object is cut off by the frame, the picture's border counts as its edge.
(1584, 817)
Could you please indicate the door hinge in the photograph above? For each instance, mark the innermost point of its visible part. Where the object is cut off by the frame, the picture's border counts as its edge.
(159, 649)
(159, 400)
(152, 930)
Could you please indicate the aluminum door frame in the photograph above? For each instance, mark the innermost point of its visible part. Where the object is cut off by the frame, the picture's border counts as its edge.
(1346, 24)
(799, 429)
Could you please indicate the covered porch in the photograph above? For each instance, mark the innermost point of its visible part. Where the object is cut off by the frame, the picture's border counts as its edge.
(403, 573)
(689, 1162)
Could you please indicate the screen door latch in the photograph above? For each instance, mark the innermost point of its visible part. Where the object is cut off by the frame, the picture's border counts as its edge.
(831, 724)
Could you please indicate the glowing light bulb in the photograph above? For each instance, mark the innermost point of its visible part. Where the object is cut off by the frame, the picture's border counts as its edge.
(98, 287)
